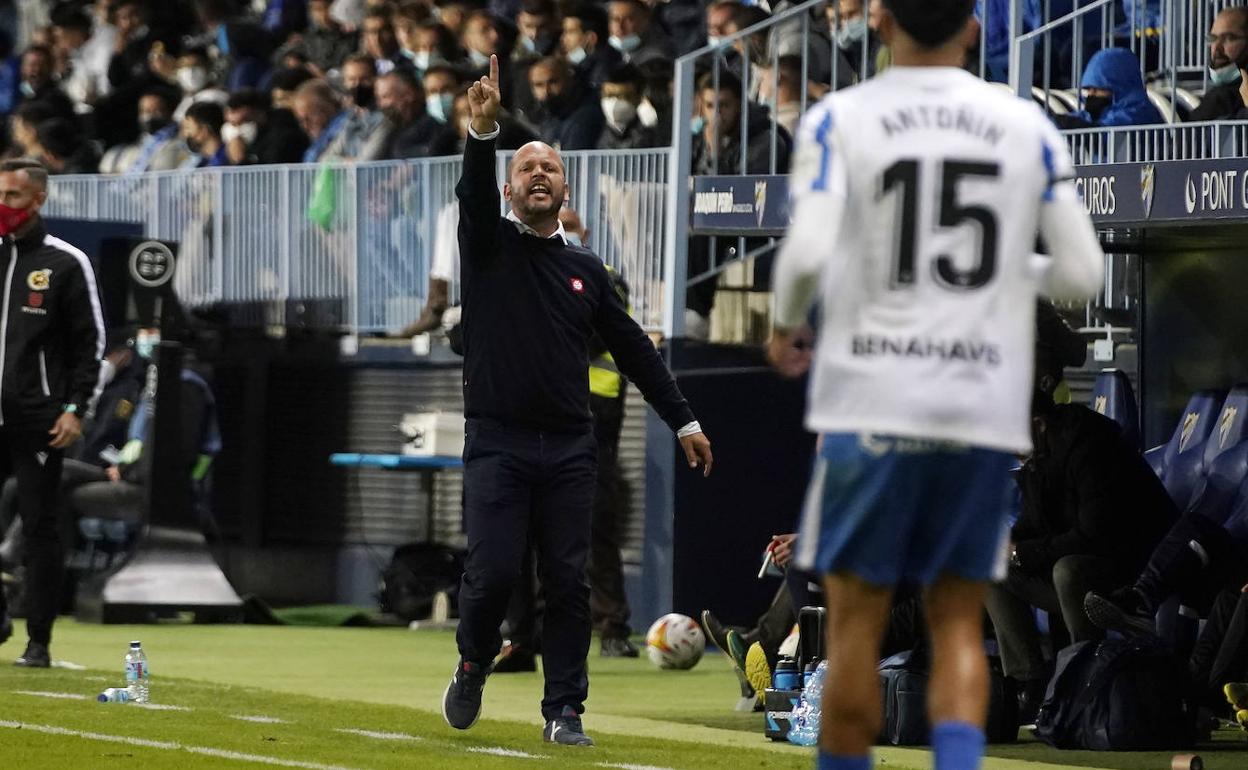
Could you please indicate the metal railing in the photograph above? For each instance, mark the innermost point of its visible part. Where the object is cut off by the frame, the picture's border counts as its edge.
(348, 246)
(1151, 144)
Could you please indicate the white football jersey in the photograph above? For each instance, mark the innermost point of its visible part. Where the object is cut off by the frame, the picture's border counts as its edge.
(916, 201)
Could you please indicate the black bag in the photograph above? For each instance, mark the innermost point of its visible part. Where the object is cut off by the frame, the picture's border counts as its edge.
(416, 573)
(1118, 695)
(903, 678)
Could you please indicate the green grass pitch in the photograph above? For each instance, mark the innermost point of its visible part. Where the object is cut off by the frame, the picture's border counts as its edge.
(256, 696)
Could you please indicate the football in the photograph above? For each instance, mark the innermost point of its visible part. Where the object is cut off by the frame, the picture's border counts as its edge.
(675, 641)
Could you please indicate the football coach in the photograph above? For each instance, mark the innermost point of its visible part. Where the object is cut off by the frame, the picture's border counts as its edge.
(531, 303)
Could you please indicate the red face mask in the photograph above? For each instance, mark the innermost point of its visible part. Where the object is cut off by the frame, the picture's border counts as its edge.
(12, 219)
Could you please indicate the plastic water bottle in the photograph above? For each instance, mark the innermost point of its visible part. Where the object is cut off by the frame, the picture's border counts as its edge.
(138, 677)
(114, 695)
(806, 717)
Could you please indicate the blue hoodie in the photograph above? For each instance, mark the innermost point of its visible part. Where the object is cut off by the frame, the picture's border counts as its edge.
(1118, 71)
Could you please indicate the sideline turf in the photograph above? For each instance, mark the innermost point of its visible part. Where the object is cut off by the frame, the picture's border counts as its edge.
(391, 680)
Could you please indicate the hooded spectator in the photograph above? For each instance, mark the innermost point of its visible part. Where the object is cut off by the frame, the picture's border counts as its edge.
(1113, 91)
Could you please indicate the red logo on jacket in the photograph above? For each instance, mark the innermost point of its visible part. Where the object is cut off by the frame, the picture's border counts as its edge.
(35, 299)
(578, 285)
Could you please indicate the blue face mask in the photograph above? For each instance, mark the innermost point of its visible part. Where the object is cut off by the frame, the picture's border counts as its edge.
(439, 106)
(1224, 75)
(625, 44)
(573, 239)
(696, 125)
(145, 345)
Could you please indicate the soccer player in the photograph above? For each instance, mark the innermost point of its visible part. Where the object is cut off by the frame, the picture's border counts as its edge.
(917, 197)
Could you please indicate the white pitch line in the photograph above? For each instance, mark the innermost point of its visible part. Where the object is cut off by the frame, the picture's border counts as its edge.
(158, 706)
(68, 665)
(170, 746)
(259, 719)
(631, 767)
(378, 735)
(498, 751)
(61, 695)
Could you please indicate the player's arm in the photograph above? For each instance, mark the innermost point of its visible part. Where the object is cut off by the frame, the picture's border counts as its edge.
(819, 192)
(1077, 268)
(479, 200)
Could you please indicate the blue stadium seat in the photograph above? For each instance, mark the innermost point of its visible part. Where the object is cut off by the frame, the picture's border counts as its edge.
(1223, 485)
(1179, 463)
(1113, 397)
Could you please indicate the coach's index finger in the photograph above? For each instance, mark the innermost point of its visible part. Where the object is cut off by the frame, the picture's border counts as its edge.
(493, 70)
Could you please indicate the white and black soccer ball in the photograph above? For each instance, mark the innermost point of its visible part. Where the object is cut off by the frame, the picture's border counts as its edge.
(675, 641)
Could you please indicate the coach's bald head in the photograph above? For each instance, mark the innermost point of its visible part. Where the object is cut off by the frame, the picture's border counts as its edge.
(536, 186)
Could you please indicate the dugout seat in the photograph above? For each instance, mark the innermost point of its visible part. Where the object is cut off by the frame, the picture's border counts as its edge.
(1180, 461)
(1113, 397)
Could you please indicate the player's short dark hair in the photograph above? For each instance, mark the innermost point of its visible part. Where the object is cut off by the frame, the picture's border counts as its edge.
(35, 170)
(207, 114)
(591, 16)
(931, 23)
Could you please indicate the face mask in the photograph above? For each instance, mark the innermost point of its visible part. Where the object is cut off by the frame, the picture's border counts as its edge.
(647, 114)
(362, 95)
(713, 40)
(478, 59)
(421, 60)
(27, 89)
(696, 125)
(577, 55)
(153, 124)
(145, 345)
(192, 79)
(12, 219)
(573, 239)
(618, 112)
(625, 44)
(439, 106)
(1096, 105)
(851, 32)
(1224, 75)
(245, 131)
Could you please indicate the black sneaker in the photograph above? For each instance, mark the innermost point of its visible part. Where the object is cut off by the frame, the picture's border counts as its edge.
(618, 647)
(6, 626)
(716, 633)
(36, 656)
(1125, 611)
(1031, 694)
(566, 729)
(461, 703)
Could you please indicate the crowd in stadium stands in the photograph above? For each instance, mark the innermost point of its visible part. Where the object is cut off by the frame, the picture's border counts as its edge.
(125, 86)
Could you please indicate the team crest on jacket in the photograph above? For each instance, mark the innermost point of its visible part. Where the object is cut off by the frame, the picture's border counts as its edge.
(39, 280)
(578, 285)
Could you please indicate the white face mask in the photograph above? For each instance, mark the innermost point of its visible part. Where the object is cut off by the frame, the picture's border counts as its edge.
(618, 112)
(577, 55)
(245, 131)
(1224, 75)
(625, 44)
(851, 32)
(421, 60)
(478, 59)
(573, 239)
(192, 79)
(713, 40)
(439, 106)
(27, 89)
(647, 114)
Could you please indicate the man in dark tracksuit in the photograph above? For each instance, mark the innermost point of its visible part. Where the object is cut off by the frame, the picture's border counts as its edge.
(531, 303)
(51, 345)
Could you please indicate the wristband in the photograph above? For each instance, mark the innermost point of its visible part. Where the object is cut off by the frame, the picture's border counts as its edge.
(70, 409)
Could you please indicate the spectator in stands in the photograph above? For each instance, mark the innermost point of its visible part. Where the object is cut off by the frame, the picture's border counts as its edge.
(278, 138)
(847, 22)
(1092, 510)
(567, 115)
(410, 131)
(633, 34)
(584, 43)
(323, 119)
(719, 17)
(407, 20)
(480, 41)
(719, 146)
(83, 79)
(201, 130)
(195, 76)
(380, 43)
(24, 124)
(1228, 61)
(788, 92)
(453, 14)
(358, 75)
(435, 44)
(1113, 93)
(441, 84)
(63, 149)
(159, 147)
(134, 43)
(284, 83)
(539, 25)
(325, 43)
(513, 133)
(621, 98)
(37, 84)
